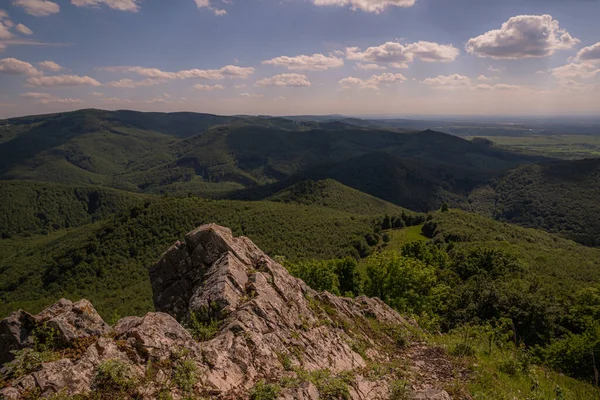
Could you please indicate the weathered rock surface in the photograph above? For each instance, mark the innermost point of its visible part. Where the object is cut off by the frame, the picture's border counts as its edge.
(273, 328)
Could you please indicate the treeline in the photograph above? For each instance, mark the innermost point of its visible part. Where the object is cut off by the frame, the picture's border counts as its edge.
(30, 208)
(454, 282)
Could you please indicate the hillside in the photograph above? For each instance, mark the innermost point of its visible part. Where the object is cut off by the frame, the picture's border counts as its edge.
(107, 260)
(332, 194)
(560, 197)
(203, 154)
(28, 208)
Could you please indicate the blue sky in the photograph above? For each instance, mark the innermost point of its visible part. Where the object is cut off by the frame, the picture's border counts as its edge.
(356, 57)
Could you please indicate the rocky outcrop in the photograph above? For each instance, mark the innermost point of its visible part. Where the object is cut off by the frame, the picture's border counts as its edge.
(250, 326)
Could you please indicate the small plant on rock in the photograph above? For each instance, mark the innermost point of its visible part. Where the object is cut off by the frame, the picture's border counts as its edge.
(113, 380)
(265, 391)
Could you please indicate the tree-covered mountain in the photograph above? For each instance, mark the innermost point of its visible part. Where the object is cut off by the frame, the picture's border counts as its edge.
(153, 152)
(560, 197)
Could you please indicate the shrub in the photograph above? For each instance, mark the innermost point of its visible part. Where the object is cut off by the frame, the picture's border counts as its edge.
(264, 391)
(113, 380)
(185, 375)
(202, 330)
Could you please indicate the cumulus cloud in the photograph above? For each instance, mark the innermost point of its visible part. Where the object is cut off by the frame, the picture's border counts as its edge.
(23, 29)
(130, 83)
(367, 67)
(47, 98)
(50, 66)
(492, 69)
(484, 78)
(36, 95)
(3, 15)
(450, 80)
(121, 5)
(4, 31)
(209, 88)
(13, 66)
(38, 8)
(456, 81)
(293, 80)
(500, 86)
(63, 81)
(576, 71)
(316, 62)
(206, 4)
(523, 36)
(252, 95)
(374, 82)
(398, 55)
(375, 6)
(229, 71)
(590, 53)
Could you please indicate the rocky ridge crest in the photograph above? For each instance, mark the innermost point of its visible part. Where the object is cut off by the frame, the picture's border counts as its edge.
(253, 330)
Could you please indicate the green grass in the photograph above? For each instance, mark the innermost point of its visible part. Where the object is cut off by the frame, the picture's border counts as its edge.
(491, 379)
(399, 237)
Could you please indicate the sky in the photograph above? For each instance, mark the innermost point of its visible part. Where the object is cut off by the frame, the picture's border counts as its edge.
(290, 57)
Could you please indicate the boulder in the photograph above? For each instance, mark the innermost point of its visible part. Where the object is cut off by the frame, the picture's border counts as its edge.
(73, 320)
(15, 334)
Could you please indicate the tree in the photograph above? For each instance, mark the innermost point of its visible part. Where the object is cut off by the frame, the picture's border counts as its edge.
(445, 207)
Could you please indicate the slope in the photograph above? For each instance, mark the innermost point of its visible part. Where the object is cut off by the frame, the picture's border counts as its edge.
(156, 152)
(28, 207)
(106, 261)
(560, 197)
(332, 194)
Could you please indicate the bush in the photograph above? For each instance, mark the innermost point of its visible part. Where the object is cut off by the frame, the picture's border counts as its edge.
(113, 380)
(264, 391)
(202, 330)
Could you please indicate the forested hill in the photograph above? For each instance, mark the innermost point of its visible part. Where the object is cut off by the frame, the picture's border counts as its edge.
(153, 152)
(560, 197)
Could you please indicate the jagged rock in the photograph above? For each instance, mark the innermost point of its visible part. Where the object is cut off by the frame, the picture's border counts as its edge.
(15, 334)
(73, 320)
(271, 326)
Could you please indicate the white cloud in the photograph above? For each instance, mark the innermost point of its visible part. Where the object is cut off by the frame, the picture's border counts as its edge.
(484, 78)
(23, 29)
(130, 83)
(375, 6)
(294, 80)
(590, 53)
(454, 80)
(209, 88)
(316, 62)
(121, 5)
(492, 69)
(500, 86)
(523, 36)
(63, 80)
(47, 98)
(367, 67)
(3, 15)
(243, 85)
(252, 95)
(50, 66)
(576, 71)
(229, 71)
(4, 32)
(206, 4)
(374, 82)
(38, 8)
(36, 95)
(13, 66)
(97, 94)
(398, 55)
